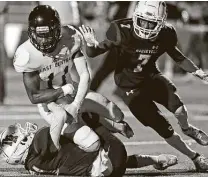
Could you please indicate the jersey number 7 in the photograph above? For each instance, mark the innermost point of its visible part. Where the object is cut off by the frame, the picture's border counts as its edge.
(143, 59)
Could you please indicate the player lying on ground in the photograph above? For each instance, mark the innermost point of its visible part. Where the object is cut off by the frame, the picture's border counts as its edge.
(36, 151)
(139, 42)
(46, 60)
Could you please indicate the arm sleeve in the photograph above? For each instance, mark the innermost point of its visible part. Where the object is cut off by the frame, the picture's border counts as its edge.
(171, 45)
(112, 39)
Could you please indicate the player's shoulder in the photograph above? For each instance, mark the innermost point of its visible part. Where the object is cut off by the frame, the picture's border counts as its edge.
(120, 29)
(168, 32)
(24, 60)
(21, 57)
(168, 29)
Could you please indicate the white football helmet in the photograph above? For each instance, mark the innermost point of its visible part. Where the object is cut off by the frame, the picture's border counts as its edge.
(150, 11)
(15, 141)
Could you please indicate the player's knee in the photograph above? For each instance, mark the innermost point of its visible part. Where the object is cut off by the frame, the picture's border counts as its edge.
(181, 112)
(115, 112)
(87, 139)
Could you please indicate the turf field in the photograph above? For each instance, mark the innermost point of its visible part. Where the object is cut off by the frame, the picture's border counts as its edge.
(145, 141)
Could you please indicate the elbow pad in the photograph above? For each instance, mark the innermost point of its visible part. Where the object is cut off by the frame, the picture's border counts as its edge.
(87, 139)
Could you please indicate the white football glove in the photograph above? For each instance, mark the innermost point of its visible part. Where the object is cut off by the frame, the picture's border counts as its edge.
(201, 74)
(89, 35)
(68, 89)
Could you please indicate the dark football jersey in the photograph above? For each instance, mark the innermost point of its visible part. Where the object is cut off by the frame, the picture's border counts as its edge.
(137, 57)
(44, 158)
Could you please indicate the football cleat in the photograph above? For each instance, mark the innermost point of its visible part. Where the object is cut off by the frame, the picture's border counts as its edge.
(201, 163)
(198, 135)
(165, 161)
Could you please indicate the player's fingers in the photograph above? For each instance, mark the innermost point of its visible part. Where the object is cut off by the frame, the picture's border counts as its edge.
(91, 30)
(84, 29)
(81, 30)
(88, 29)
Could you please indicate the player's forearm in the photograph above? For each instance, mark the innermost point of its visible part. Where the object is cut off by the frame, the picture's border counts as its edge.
(82, 88)
(183, 62)
(188, 65)
(46, 95)
(93, 51)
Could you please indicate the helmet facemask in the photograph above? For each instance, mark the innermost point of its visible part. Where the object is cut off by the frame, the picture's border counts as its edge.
(44, 38)
(151, 14)
(15, 142)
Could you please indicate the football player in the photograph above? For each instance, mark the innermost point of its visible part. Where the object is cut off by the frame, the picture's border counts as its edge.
(140, 41)
(35, 150)
(46, 59)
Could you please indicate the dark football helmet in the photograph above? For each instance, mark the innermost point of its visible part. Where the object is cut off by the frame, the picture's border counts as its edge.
(44, 28)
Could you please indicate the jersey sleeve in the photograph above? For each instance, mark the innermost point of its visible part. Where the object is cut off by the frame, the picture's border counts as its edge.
(22, 61)
(172, 48)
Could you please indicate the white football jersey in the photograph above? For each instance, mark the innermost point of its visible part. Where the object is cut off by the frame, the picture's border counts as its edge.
(54, 68)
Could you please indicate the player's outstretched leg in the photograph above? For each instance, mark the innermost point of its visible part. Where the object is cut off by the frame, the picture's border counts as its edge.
(160, 162)
(198, 135)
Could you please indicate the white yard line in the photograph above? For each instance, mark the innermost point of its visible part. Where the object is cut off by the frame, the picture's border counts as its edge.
(139, 143)
(20, 117)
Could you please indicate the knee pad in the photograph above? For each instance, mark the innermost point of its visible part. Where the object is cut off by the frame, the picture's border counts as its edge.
(87, 139)
(181, 113)
(115, 112)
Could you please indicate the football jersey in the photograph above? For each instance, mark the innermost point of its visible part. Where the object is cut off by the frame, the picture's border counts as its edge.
(44, 158)
(137, 57)
(54, 68)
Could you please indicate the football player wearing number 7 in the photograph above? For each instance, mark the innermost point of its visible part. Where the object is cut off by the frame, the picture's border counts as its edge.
(46, 59)
(140, 41)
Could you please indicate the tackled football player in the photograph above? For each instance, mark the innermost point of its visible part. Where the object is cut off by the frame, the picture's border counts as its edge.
(35, 150)
(140, 41)
(46, 60)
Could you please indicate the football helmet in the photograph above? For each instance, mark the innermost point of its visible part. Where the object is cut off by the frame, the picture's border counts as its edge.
(151, 13)
(15, 142)
(44, 28)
